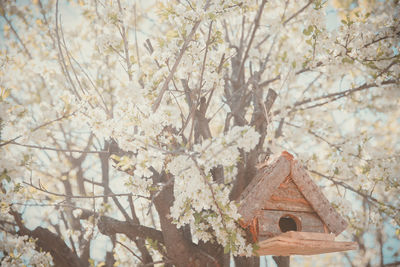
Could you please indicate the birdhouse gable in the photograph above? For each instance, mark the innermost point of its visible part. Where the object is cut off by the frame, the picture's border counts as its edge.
(285, 190)
(288, 197)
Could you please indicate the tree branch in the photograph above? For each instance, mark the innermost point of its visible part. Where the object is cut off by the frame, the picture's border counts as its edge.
(256, 26)
(62, 255)
(297, 13)
(40, 188)
(15, 32)
(110, 226)
(58, 149)
(175, 66)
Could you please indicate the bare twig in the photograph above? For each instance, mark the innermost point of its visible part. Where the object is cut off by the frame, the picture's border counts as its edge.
(62, 59)
(69, 59)
(15, 32)
(130, 250)
(175, 66)
(40, 188)
(126, 46)
(66, 115)
(136, 38)
(333, 96)
(205, 56)
(256, 26)
(381, 38)
(348, 187)
(297, 13)
(58, 149)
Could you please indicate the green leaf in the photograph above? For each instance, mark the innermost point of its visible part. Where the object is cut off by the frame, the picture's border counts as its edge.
(256, 247)
(284, 56)
(309, 30)
(336, 171)
(347, 60)
(4, 94)
(152, 243)
(115, 157)
(212, 16)
(226, 249)
(5, 176)
(17, 187)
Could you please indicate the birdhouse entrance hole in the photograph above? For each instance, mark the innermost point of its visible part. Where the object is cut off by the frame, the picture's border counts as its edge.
(289, 223)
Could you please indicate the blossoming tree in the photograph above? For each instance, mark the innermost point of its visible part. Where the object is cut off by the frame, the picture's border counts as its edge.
(126, 139)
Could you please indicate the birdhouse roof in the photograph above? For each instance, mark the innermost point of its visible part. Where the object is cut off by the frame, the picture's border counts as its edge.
(268, 179)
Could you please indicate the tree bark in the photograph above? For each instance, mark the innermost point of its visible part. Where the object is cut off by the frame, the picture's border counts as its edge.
(180, 251)
(52, 243)
(110, 226)
(247, 261)
(282, 261)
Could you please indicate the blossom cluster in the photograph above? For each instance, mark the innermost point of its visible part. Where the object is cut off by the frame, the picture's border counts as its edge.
(21, 251)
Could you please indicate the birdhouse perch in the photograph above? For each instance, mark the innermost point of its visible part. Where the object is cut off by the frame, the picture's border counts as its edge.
(288, 214)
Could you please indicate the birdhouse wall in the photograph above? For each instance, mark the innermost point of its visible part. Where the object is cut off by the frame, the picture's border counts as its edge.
(269, 222)
(288, 197)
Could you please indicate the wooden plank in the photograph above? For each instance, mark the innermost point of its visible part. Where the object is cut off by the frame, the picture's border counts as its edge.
(318, 201)
(269, 222)
(268, 225)
(288, 197)
(304, 247)
(309, 236)
(286, 246)
(261, 187)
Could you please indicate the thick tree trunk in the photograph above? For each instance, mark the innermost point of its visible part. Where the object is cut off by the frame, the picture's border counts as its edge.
(282, 261)
(180, 251)
(247, 261)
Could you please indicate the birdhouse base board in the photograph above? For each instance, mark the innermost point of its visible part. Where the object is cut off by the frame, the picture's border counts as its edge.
(303, 243)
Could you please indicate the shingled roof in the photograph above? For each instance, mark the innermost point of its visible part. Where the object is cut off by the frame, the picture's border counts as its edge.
(268, 179)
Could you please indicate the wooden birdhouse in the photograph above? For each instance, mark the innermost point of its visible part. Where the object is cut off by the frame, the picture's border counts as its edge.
(287, 213)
